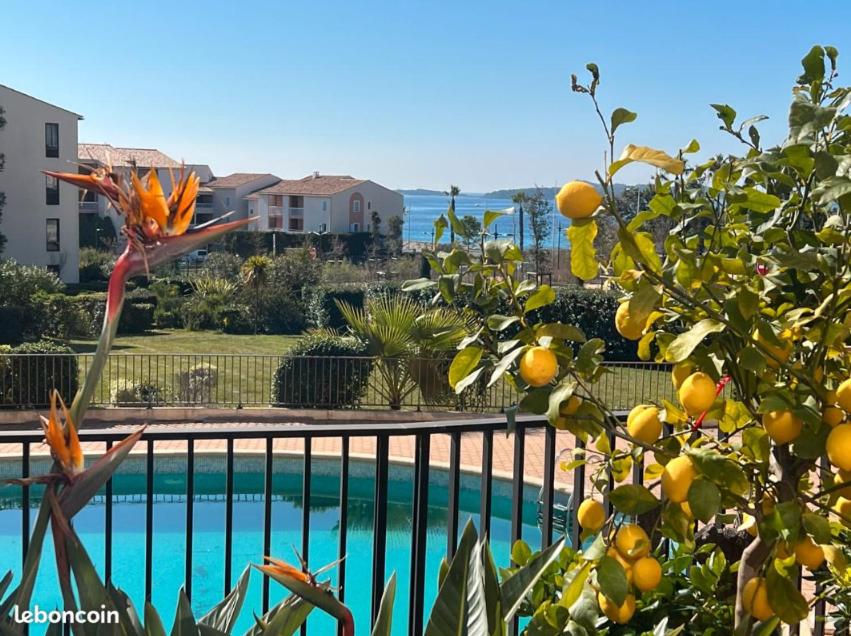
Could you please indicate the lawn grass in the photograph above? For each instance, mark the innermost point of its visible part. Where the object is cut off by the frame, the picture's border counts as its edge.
(245, 365)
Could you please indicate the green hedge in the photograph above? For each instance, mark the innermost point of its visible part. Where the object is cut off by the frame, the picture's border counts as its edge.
(322, 310)
(28, 380)
(13, 322)
(355, 246)
(322, 371)
(593, 311)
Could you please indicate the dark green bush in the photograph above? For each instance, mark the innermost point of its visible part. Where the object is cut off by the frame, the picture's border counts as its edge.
(13, 321)
(322, 371)
(322, 310)
(169, 301)
(593, 311)
(27, 380)
(136, 317)
(236, 319)
(95, 265)
(284, 315)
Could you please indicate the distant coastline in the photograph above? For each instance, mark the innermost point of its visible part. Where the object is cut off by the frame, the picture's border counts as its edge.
(507, 193)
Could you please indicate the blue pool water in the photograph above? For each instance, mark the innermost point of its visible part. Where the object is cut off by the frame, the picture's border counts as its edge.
(169, 520)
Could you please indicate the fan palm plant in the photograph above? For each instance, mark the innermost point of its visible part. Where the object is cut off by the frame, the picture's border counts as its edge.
(410, 341)
(255, 273)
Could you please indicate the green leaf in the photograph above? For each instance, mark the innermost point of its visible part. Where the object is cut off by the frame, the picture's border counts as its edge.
(544, 295)
(449, 613)
(464, 364)
(632, 499)
(128, 617)
(493, 215)
(645, 154)
(583, 256)
(514, 588)
(224, 615)
(455, 223)
(759, 201)
(723, 471)
(417, 284)
(611, 578)
(785, 599)
(469, 380)
(560, 331)
(817, 527)
(726, 114)
(153, 623)
(621, 116)
(440, 225)
(683, 345)
(284, 619)
(704, 499)
(573, 590)
(384, 620)
(813, 63)
(184, 621)
(520, 552)
(502, 366)
(559, 394)
(498, 322)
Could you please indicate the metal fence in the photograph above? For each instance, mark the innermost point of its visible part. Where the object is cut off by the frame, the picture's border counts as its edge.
(480, 432)
(237, 380)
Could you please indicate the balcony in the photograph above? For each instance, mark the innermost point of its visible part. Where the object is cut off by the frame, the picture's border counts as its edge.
(88, 207)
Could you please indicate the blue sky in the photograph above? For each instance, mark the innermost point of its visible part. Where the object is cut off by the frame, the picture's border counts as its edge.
(410, 93)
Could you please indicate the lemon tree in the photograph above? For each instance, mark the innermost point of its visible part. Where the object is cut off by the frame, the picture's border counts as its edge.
(752, 290)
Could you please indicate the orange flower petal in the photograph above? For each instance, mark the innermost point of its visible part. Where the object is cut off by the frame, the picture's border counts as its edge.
(75, 451)
(151, 199)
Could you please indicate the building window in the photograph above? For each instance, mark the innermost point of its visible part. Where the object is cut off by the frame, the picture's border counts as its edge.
(355, 227)
(369, 205)
(296, 224)
(52, 235)
(51, 140)
(356, 205)
(323, 227)
(276, 222)
(324, 206)
(51, 185)
(296, 202)
(276, 200)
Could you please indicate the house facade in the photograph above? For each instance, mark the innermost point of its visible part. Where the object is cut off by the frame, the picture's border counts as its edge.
(324, 203)
(235, 193)
(123, 160)
(40, 219)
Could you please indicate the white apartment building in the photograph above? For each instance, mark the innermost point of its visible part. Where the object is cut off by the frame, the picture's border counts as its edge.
(235, 193)
(40, 219)
(324, 203)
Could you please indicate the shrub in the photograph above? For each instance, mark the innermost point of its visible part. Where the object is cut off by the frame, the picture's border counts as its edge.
(593, 311)
(169, 303)
(124, 393)
(236, 319)
(13, 321)
(64, 317)
(95, 265)
(322, 371)
(20, 283)
(322, 309)
(137, 317)
(284, 314)
(222, 265)
(27, 380)
(196, 385)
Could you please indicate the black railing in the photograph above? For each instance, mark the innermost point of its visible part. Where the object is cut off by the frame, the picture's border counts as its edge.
(236, 380)
(478, 432)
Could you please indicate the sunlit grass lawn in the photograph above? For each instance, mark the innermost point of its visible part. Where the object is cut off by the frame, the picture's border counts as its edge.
(247, 363)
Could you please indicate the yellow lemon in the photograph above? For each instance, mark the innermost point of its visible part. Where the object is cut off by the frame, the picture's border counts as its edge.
(843, 507)
(538, 366)
(620, 615)
(782, 426)
(626, 324)
(677, 477)
(697, 393)
(843, 477)
(832, 415)
(632, 542)
(782, 353)
(591, 515)
(578, 200)
(625, 564)
(838, 446)
(755, 599)
(644, 425)
(809, 553)
(680, 372)
(569, 407)
(646, 573)
(843, 395)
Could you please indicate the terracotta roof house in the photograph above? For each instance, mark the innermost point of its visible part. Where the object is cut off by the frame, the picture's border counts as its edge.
(235, 193)
(124, 159)
(324, 203)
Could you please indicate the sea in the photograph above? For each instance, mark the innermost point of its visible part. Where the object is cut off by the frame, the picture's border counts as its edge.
(423, 209)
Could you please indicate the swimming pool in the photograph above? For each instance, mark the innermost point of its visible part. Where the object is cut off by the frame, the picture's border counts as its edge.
(169, 522)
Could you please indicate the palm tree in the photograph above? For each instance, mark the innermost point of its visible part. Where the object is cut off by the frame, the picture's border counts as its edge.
(255, 273)
(454, 191)
(520, 198)
(411, 343)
